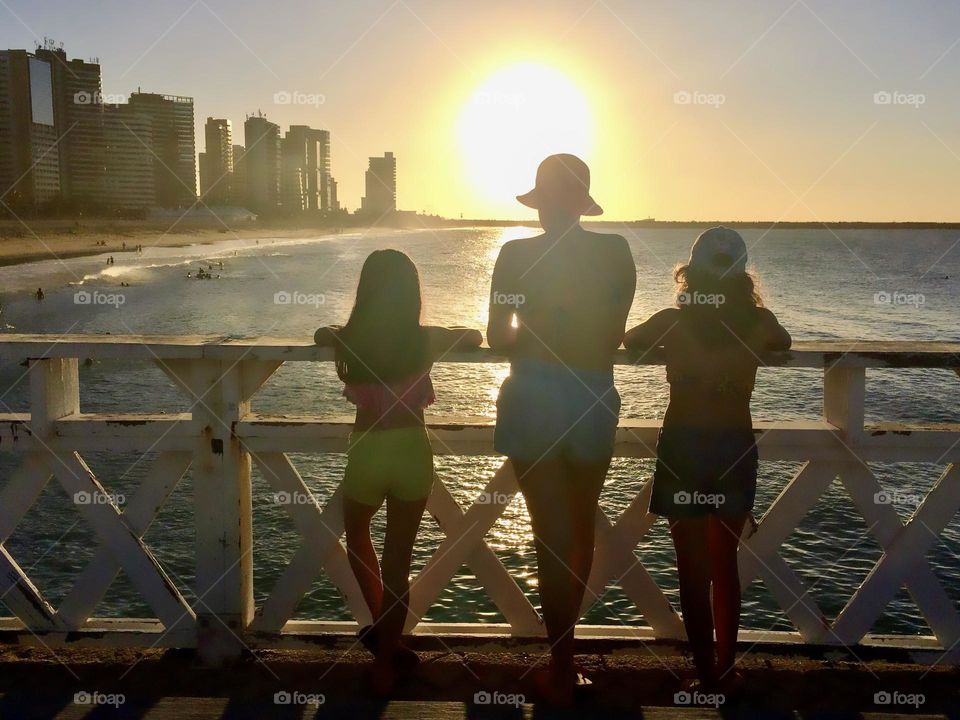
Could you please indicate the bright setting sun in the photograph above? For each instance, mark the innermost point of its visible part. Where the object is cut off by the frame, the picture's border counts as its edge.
(514, 119)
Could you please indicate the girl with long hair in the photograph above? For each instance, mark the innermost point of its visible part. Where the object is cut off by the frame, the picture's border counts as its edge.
(384, 356)
(706, 473)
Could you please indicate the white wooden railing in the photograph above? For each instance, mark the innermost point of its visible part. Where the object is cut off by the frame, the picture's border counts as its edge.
(220, 437)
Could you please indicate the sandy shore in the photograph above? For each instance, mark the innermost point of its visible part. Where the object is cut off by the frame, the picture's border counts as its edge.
(49, 240)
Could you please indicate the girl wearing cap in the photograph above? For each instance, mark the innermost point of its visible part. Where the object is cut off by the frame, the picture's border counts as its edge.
(706, 473)
(558, 307)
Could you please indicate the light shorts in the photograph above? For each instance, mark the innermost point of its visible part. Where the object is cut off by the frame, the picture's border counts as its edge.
(397, 462)
(547, 411)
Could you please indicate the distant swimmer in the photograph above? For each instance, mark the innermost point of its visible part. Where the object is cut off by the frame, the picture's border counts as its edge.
(40, 294)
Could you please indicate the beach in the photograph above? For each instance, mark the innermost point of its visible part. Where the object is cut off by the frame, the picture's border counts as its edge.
(38, 240)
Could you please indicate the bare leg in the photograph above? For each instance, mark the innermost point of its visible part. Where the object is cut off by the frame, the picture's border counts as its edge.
(403, 522)
(558, 528)
(693, 567)
(724, 540)
(585, 484)
(363, 557)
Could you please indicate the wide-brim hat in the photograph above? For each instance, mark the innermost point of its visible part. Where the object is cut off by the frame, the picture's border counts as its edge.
(563, 181)
(719, 251)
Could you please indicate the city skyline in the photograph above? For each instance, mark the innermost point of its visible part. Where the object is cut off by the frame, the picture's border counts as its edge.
(799, 111)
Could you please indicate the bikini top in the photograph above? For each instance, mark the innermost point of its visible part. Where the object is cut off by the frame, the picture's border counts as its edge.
(392, 404)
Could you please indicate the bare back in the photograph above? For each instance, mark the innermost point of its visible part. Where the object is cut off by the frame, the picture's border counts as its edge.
(571, 294)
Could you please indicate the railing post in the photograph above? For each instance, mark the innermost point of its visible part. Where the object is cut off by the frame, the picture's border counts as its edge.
(54, 392)
(844, 390)
(221, 476)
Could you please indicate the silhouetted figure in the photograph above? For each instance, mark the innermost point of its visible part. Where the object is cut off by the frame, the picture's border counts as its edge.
(384, 356)
(40, 294)
(558, 305)
(706, 475)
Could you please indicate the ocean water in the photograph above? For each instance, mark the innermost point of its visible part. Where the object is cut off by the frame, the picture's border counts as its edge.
(863, 284)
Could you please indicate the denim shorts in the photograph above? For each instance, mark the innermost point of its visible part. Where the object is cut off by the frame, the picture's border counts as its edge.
(549, 411)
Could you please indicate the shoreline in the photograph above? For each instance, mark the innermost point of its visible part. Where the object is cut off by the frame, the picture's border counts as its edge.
(56, 244)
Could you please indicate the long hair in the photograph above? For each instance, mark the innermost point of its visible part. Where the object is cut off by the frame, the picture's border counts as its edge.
(383, 340)
(721, 308)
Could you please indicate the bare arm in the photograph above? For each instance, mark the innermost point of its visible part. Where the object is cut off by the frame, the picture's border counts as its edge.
(652, 332)
(626, 286)
(450, 339)
(773, 336)
(501, 331)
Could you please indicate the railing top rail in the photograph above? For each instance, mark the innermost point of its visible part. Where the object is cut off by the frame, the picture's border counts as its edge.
(813, 354)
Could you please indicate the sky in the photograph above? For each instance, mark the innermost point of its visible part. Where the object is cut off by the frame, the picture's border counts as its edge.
(750, 110)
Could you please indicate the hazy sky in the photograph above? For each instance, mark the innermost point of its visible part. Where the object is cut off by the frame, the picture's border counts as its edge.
(684, 110)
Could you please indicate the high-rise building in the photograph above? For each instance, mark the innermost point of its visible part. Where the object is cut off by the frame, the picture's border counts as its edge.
(238, 187)
(217, 163)
(78, 116)
(312, 148)
(262, 164)
(29, 148)
(129, 180)
(173, 145)
(381, 186)
(332, 195)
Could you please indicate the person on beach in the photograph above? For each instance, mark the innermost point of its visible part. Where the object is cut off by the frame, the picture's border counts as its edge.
(558, 307)
(706, 472)
(384, 356)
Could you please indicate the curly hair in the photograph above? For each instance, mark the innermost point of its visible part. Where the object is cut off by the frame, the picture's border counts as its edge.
(736, 291)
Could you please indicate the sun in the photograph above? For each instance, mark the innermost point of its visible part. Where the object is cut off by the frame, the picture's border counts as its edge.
(514, 119)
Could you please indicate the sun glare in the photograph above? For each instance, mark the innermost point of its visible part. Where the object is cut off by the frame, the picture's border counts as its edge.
(513, 120)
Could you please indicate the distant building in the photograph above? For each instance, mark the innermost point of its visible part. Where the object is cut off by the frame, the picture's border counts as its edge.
(381, 186)
(129, 181)
(332, 195)
(217, 163)
(314, 147)
(238, 187)
(78, 116)
(173, 144)
(262, 161)
(29, 151)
